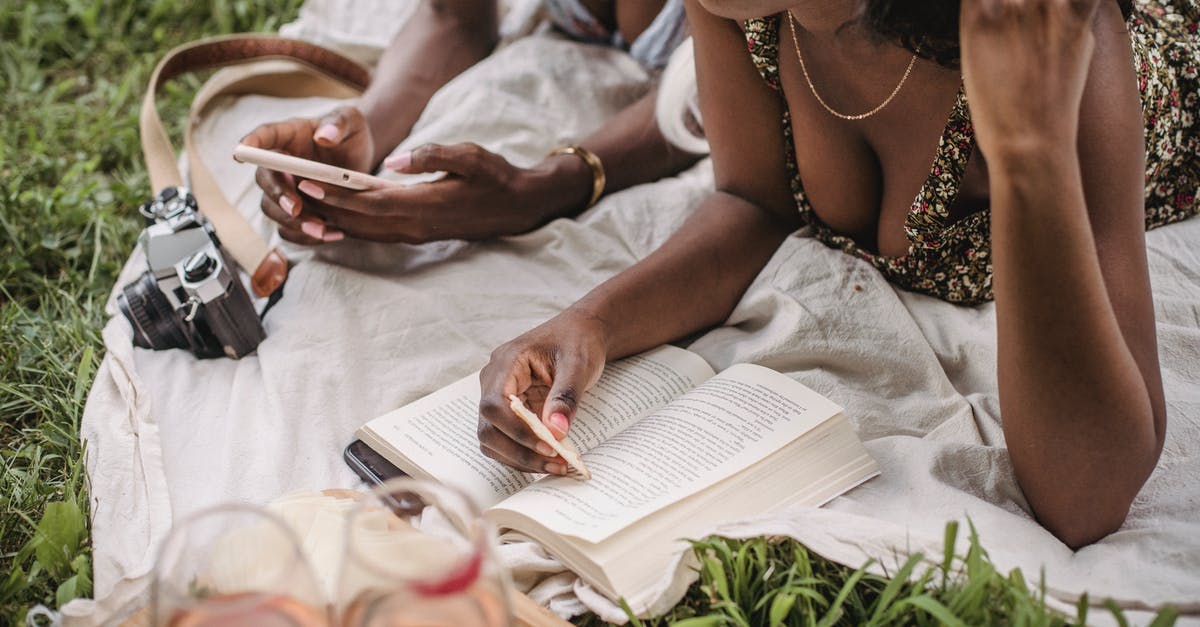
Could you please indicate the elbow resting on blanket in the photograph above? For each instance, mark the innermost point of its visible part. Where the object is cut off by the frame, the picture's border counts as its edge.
(1084, 506)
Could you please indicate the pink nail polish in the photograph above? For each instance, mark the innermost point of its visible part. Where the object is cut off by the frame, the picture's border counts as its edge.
(328, 132)
(313, 229)
(558, 423)
(556, 468)
(312, 189)
(399, 161)
(333, 235)
(545, 449)
(288, 205)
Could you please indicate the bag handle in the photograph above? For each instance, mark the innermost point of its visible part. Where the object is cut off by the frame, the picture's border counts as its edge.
(311, 71)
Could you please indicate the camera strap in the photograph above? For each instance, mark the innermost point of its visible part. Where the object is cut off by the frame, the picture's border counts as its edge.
(262, 65)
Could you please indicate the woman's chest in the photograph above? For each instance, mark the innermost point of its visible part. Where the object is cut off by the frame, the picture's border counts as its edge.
(863, 177)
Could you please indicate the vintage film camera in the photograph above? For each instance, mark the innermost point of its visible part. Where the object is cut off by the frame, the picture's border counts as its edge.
(191, 296)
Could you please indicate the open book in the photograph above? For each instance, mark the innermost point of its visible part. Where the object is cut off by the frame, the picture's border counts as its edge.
(673, 447)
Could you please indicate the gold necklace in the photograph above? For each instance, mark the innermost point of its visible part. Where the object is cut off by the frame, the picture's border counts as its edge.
(813, 88)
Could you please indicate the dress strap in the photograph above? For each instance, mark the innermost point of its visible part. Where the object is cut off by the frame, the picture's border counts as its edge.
(762, 39)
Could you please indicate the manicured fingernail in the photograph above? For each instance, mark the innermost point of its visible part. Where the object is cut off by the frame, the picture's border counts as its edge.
(333, 235)
(558, 422)
(288, 205)
(399, 161)
(313, 229)
(327, 132)
(312, 189)
(545, 449)
(556, 468)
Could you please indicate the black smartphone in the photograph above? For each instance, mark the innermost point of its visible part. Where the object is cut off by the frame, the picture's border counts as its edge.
(372, 467)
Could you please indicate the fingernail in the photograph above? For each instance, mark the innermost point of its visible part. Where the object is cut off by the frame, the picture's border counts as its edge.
(545, 449)
(313, 229)
(556, 468)
(288, 205)
(289, 178)
(327, 132)
(333, 235)
(312, 189)
(399, 161)
(558, 423)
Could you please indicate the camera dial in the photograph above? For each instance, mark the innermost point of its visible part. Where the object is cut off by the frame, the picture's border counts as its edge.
(199, 267)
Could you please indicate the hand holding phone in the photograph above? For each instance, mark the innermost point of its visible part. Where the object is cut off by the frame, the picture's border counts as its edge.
(308, 169)
(457, 191)
(338, 139)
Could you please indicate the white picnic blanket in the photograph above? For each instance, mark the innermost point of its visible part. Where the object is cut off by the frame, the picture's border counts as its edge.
(167, 434)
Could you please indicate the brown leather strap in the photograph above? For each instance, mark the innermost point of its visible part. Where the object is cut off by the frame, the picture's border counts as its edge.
(310, 71)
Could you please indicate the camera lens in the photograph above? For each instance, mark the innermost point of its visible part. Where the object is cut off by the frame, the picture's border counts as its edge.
(155, 323)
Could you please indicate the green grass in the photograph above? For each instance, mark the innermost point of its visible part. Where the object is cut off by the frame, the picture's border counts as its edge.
(748, 583)
(72, 74)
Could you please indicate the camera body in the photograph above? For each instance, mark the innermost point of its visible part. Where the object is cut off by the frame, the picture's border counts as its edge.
(190, 295)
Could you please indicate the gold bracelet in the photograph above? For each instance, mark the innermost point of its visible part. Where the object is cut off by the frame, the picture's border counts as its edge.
(593, 162)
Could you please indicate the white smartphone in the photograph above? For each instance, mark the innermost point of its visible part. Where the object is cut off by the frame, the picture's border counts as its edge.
(314, 170)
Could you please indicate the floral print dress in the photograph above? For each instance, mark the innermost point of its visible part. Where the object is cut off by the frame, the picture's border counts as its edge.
(952, 260)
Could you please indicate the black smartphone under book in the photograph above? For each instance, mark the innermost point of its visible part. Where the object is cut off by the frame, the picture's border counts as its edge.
(372, 467)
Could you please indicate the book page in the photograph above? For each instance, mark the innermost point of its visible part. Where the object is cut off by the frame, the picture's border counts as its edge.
(438, 433)
(715, 431)
(633, 387)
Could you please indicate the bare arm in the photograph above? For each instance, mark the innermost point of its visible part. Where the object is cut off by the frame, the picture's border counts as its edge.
(693, 281)
(444, 38)
(735, 232)
(441, 40)
(630, 145)
(1080, 388)
(632, 150)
